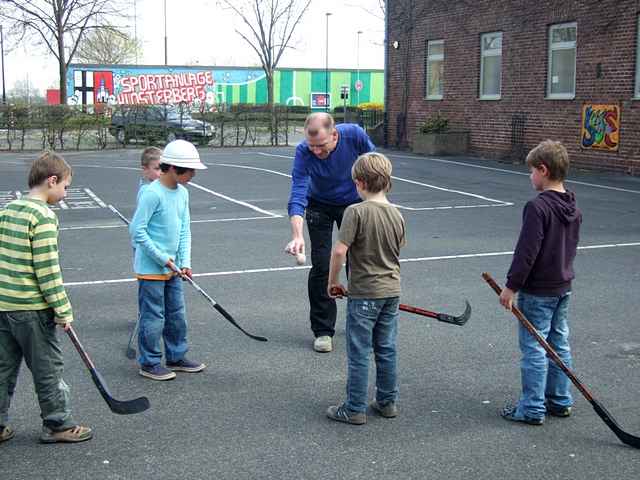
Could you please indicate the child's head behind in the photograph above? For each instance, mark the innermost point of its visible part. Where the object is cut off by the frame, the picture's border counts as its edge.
(553, 156)
(52, 174)
(150, 162)
(374, 171)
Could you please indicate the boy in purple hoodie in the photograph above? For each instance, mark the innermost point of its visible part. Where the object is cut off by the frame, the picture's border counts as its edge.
(541, 273)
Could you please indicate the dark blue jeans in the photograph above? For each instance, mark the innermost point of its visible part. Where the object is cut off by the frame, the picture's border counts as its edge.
(162, 317)
(371, 324)
(542, 379)
(320, 219)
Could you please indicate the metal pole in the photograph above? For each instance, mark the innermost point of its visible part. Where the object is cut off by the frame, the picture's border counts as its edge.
(358, 67)
(135, 27)
(165, 33)
(326, 67)
(4, 93)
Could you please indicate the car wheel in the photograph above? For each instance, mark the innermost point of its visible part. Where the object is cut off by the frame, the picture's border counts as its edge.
(120, 136)
(171, 136)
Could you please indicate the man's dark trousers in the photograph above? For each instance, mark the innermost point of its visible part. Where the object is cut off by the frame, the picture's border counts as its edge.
(320, 219)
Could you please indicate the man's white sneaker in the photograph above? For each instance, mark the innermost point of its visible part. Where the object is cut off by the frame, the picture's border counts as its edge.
(323, 344)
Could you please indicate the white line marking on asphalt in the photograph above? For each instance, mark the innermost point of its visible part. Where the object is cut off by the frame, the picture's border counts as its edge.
(460, 192)
(251, 168)
(306, 267)
(239, 202)
(457, 207)
(500, 203)
(95, 198)
(503, 170)
(265, 154)
(212, 220)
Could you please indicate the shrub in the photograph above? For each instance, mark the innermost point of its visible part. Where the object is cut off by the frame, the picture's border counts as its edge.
(436, 124)
(371, 106)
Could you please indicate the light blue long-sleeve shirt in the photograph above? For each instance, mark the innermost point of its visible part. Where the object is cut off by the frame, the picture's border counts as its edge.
(161, 230)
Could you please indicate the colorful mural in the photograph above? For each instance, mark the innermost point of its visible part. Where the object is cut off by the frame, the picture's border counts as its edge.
(600, 127)
(205, 88)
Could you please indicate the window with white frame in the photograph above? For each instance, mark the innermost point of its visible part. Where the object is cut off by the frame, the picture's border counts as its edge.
(561, 81)
(638, 60)
(490, 65)
(435, 69)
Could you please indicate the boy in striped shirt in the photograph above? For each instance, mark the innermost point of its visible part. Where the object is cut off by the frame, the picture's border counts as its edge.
(33, 301)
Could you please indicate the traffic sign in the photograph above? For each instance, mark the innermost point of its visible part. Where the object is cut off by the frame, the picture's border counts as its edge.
(359, 85)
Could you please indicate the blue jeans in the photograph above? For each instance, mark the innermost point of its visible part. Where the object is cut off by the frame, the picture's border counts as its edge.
(542, 379)
(371, 324)
(162, 317)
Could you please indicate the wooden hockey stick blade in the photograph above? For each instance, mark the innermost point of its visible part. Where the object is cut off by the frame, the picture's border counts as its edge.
(117, 406)
(624, 437)
(121, 407)
(443, 317)
(602, 412)
(231, 320)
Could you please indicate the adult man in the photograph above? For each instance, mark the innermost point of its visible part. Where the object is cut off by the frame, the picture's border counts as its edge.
(321, 184)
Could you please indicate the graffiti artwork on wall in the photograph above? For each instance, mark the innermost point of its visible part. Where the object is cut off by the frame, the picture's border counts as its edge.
(600, 127)
(208, 87)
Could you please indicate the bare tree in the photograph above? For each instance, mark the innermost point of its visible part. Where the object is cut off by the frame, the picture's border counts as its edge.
(269, 27)
(108, 46)
(59, 24)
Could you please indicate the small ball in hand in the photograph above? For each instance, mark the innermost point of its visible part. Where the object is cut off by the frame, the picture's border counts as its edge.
(301, 258)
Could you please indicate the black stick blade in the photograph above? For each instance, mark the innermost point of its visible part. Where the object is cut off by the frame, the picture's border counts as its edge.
(460, 320)
(126, 407)
(231, 320)
(624, 437)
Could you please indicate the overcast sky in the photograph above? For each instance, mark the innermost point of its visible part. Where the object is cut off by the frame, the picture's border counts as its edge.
(200, 31)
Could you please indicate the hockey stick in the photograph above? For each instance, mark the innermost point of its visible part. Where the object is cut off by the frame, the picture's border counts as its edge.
(443, 317)
(131, 351)
(602, 412)
(120, 407)
(215, 304)
(118, 214)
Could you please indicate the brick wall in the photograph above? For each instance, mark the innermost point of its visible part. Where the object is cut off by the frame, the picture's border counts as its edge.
(606, 36)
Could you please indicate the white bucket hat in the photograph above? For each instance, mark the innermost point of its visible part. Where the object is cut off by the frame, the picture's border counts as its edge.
(181, 153)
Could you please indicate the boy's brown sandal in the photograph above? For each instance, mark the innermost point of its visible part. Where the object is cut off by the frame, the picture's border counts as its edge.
(75, 434)
(6, 433)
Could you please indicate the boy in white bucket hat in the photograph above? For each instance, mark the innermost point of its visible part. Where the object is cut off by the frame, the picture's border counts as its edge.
(161, 233)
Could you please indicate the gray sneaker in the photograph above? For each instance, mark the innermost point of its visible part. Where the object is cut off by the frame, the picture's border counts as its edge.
(339, 413)
(323, 344)
(386, 410)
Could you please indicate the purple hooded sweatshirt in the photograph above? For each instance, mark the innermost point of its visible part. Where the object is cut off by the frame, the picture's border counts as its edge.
(543, 260)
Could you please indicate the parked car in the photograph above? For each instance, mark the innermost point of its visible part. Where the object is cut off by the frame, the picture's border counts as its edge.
(159, 122)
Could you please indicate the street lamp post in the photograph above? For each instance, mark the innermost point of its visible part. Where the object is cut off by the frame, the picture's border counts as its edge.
(4, 93)
(358, 67)
(326, 67)
(165, 33)
(135, 27)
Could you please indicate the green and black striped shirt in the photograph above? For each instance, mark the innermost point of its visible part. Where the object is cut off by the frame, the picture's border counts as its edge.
(30, 277)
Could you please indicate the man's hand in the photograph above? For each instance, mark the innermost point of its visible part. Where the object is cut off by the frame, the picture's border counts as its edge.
(506, 298)
(295, 246)
(336, 290)
(65, 326)
(187, 272)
